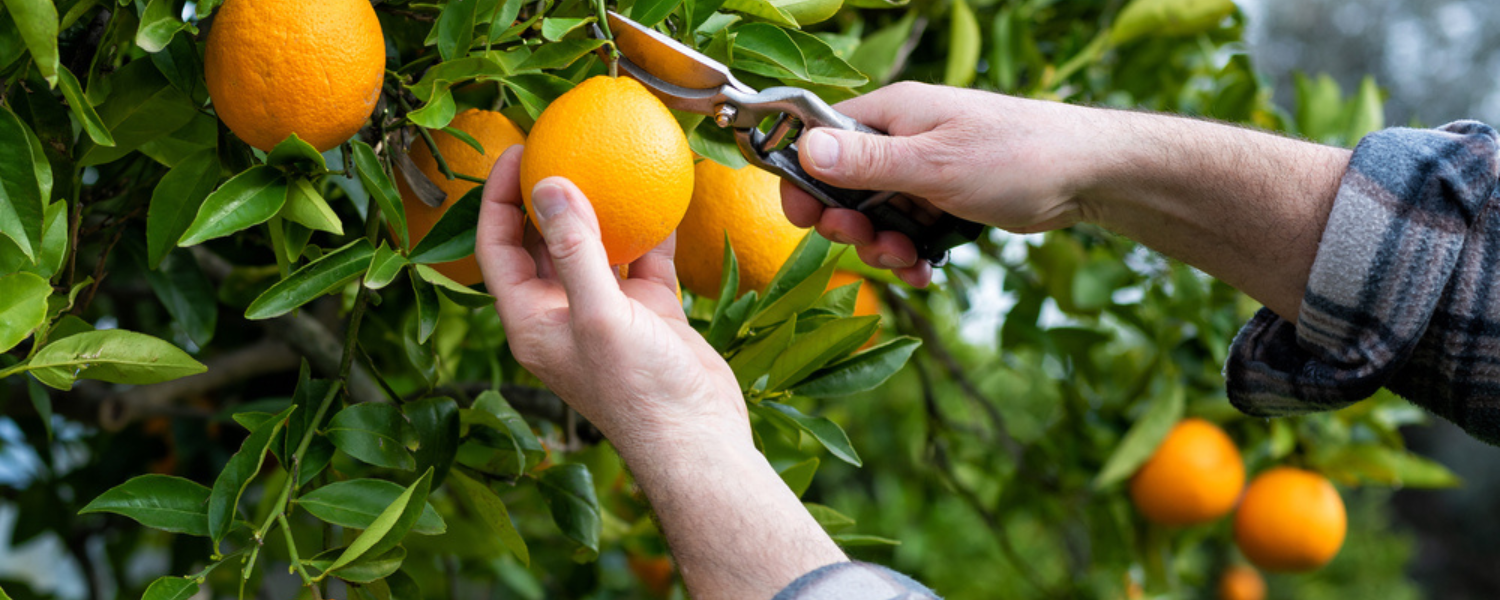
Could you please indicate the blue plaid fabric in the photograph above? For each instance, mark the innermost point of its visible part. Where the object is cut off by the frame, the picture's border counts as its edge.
(1401, 294)
(855, 581)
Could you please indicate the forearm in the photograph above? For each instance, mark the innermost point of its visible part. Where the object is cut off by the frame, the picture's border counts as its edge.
(1244, 206)
(735, 529)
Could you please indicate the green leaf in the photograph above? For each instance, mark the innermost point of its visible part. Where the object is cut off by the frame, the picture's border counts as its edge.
(379, 186)
(536, 90)
(724, 328)
(114, 356)
(82, 110)
(558, 55)
(452, 237)
(755, 359)
(23, 189)
(356, 504)
(554, 28)
(854, 540)
(159, 23)
(799, 476)
(385, 265)
(391, 526)
(807, 12)
(369, 568)
(1366, 111)
(493, 514)
(436, 423)
(176, 201)
(569, 492)
(761, 9)
(455, 28)
(322, 276)
(453, 290)
(230, 485)
(715, 143)
(187, 294)
(294, 238)
(23, 307)
(651, 12)
(437, 113)
(305, 206)
(445, 75)
(54, 241)
(861, 372)
(37, 21)
(506, 430)
(696, 12)
(246, 200)
(830, 520)
(771, 51)
(294, 151)
(796, 299)
(142, 106)
(372, 433)
(963, 46)
(158, 501)
(825, 431)
(171, 588)
(805, 261)
(181, 64)
(1141, 441)
(811, 351)
(1146, 18)
(877, 54)
(1359, 463)
(427, 306)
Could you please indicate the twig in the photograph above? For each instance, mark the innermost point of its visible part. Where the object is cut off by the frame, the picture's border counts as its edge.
(291, 550)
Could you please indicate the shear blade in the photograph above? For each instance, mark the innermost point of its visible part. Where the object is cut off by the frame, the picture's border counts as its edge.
(669, 60)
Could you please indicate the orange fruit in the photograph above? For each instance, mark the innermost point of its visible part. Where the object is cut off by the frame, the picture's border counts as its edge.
(655, 573)
(1241, 582)
(1290, 520)
(493, 131)
(1194, 476)
(623, 149)
(278, 67)
(745, 203)
(866, 303)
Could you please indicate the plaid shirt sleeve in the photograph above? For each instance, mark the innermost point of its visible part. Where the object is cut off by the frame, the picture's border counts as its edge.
(1403, 293)
(855, 581)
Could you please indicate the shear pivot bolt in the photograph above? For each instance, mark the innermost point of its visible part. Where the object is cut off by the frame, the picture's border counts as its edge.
(725, 114)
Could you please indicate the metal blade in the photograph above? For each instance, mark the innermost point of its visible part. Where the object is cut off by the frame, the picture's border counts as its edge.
(669, 60)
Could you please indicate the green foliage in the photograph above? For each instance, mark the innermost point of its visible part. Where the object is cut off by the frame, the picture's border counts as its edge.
(422, 454)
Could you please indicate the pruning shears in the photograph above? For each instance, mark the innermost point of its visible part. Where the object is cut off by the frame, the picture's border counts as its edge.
(688, 81)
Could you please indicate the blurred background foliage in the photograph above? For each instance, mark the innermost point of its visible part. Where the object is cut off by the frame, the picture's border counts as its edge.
(995, 458)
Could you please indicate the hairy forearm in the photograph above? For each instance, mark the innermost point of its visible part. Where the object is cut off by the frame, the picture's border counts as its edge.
(1244, 206)
(735, 529)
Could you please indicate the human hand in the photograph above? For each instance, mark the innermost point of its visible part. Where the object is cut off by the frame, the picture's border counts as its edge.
(619, 351)
(1010, 162)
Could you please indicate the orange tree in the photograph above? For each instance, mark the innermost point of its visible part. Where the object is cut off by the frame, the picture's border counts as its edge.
(229, 352)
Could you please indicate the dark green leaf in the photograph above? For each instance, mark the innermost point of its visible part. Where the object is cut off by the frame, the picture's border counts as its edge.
(435, 421)
(230, 485)
(175, 202)
(809, 256)
(505, 429)
(187, 295)
(558, 55)
(37, 22)
(308, 397)
(825, 431)
(23, 307)
(813, 350)
(379, 186)
(455, 28)
(452, 237)
(292, 151)
(114, 356)
(384, 267)
(771, 51)
(246, 200)
(799, 476)
(755, 359)
(391, 526)
(41, 401)
(356, 503)
(797, 299)
(159, 23)
(322, 276)
(536, 90)
(306, 207)
(141, 107)
(369, 568)
(183, 67)
(82, 110)
(492, 513)
(554, 28)
(569, 492)
(1141, 441)
(861, 372)
(699, 11)
(445, 75)
(372, 433)
(717, 144)
(23, 190)
(453, 290)
(171, 588)
(725, 327)
(427, 307)
(158, 501)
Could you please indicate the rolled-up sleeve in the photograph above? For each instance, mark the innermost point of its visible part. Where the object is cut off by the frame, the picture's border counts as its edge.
(1403, 293)
(855, 581)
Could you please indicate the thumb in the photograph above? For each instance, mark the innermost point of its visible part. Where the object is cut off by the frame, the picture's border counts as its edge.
(862, 161)
(571, 232)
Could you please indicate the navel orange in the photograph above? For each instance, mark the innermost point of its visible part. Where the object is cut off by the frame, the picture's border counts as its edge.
(1290, 520)
(1195, 476)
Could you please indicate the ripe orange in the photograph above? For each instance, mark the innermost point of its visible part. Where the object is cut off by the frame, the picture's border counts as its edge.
(746, 204)
(278, 67)
(1290, 520)
(1241, 582)
(865, 303)
(623, 149)
(493, 131)
(1194, 477)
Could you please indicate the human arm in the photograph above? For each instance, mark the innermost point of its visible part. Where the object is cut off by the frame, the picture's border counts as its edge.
(1244, 206)
(622, 354)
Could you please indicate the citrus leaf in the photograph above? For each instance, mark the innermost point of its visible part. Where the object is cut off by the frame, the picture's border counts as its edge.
(378, 184)
(367, 569)
(22, 201)
(229, 486)
(825, 431)
(1359, 463)
(558, 55)
(854, 540)
(427, 306)
(171, 588)
(554, 28)
(761, 9)
(1141, 441)
(436, 424)
(569, 493)
(1143, 18)
(455, 28)
(186, 293)
(797, 299)
(724, 328)
(37, 22)
(246, 200)
(176, 201)
(159, 23)
(391, 526)
(23, 307)
(443, 76)
(158, 501)
(717, 144)
(877, 53)
(493, 514)
(356, 503)
(452, 237)
(372, 433)
(963, 46)
(809, 256)
(799, 476)
(460, 294)
(536, 90)
(82, 110)
(437, 113)
(756, 358)
(861, 372)
(306, 207)
(385, 265)
(114, 356)
(830, 520)
(807, 12)
(322, 276)
(294, 151)
(768, 50)
(516, 447)
(1366, 111)
(142, 106)
(811, 351)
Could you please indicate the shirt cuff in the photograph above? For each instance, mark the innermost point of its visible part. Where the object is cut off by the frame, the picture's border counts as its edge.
(855, 581)
(1400, 219)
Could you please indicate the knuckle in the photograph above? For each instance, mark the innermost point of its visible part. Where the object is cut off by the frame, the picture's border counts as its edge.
(568, 244)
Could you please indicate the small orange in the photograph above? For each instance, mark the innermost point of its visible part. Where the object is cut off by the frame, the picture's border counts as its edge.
(1194, 476)
(1241, 582)
(625, 152)
(1290, 520)
(744, 203)
(278, 67)
(493, 131)
(866, 303)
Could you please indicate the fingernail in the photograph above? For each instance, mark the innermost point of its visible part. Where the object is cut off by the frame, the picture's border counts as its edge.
(840, 238)
(890, 261)
(549, 200)
(822, 148)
